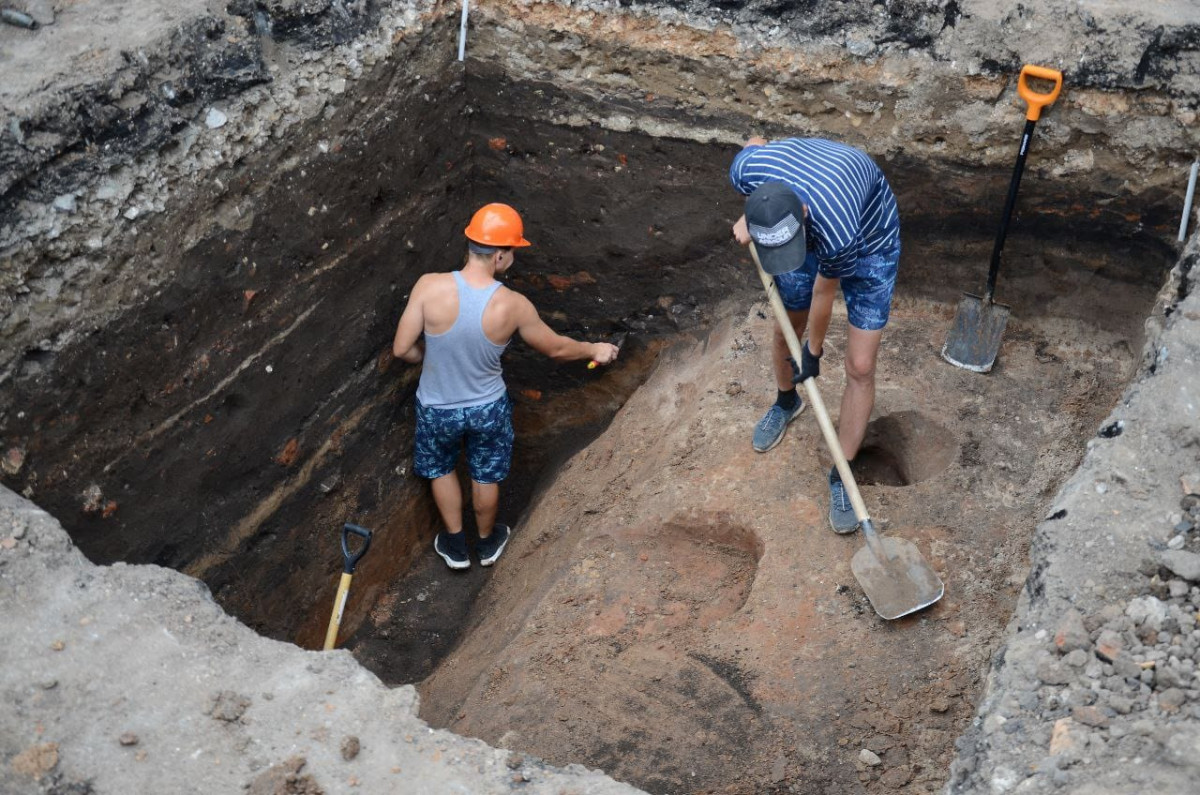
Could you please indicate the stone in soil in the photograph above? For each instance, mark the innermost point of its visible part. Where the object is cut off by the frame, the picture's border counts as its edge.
(1071, 633)
(1053, 672)
(1183, 563)
(1109, 645)
(1171, 700)
(228, 706)
(1090, 716)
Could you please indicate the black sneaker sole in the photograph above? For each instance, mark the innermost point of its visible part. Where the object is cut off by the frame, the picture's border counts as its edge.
(490, 559)
(457, 565)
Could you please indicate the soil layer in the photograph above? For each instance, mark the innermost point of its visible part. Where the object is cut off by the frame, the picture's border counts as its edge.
(673, 608)
(676, 610)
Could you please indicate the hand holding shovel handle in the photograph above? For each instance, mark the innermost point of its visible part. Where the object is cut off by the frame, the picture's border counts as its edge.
(350, 560)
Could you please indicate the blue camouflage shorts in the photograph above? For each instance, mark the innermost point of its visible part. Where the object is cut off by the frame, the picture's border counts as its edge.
(868, 292)
(487, 430)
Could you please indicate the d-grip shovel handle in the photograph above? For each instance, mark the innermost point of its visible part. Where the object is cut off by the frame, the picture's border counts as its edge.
(1036, 99)
(351, 560)
(343, 591)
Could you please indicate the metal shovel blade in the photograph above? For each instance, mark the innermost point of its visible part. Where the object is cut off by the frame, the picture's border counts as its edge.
(897, 582)
(974, 339)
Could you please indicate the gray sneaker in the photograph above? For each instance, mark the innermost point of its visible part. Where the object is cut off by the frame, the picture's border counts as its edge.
(769, 431)
(841, 512)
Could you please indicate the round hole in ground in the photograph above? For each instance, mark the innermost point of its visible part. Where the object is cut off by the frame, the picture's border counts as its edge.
(902, 449)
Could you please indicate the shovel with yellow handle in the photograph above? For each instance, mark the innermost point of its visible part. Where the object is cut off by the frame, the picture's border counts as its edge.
(891, 571)
(350, 560)
(974, 339)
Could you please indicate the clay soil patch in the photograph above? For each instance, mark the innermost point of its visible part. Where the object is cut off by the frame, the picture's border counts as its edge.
(676, 610)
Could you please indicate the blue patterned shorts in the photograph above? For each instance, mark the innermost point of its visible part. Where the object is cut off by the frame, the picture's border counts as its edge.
(868, 292)
(487, 429)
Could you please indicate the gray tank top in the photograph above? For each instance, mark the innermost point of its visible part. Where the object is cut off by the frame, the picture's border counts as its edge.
(462, 366)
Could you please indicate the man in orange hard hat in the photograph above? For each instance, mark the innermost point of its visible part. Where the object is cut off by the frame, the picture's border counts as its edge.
(468, 318)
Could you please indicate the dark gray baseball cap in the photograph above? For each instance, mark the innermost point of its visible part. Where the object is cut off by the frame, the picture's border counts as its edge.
(775, 220)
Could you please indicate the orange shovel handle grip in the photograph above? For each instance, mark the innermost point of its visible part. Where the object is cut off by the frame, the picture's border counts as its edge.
(1035, 99)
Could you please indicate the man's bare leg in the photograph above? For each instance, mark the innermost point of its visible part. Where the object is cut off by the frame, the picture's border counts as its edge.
(770, 429)
(448, 496)
(780, 352)
(486, 499)
(862, 350)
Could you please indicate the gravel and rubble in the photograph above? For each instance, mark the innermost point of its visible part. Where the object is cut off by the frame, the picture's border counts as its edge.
(125, 679)
(1097, 690)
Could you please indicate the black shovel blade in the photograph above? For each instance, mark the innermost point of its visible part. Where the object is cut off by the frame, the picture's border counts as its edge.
(897, 582)
(974, 339)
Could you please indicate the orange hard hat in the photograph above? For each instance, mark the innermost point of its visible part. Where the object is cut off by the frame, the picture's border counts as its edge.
(497, 225)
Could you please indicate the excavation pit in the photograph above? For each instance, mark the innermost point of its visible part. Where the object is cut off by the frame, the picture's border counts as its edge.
(673, 608)
(902, 449)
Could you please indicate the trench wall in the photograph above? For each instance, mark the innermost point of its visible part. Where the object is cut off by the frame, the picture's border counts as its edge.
(189, 230)
(91, 159)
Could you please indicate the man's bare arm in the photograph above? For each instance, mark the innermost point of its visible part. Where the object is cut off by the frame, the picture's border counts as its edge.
(820, 313)
(545, 340)
(412, 322)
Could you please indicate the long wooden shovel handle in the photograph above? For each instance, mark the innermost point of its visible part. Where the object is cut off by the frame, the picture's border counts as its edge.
(339, 605)
(349, 561)
(814, 397)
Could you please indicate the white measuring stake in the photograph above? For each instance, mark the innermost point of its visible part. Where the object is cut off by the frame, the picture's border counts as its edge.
(462, 32)
(1187, 202)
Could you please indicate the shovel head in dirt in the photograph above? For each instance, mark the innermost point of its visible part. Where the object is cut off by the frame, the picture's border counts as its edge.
(895, 576)
(974, 339)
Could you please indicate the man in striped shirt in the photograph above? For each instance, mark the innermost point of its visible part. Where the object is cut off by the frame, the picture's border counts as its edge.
(821, 214)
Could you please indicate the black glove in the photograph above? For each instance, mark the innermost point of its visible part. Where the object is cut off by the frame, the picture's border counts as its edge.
(810, 366)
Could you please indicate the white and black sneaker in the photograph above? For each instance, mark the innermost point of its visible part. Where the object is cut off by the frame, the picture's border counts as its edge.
(453, 549)
(489, 548)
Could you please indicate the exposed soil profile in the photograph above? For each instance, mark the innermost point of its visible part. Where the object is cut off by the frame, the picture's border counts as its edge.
(673, 608)
(583, 646)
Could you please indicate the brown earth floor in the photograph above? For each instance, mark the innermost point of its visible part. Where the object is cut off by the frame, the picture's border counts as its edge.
(676, 611)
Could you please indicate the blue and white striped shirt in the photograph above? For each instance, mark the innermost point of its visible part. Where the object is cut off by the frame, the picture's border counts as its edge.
(851, 207)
